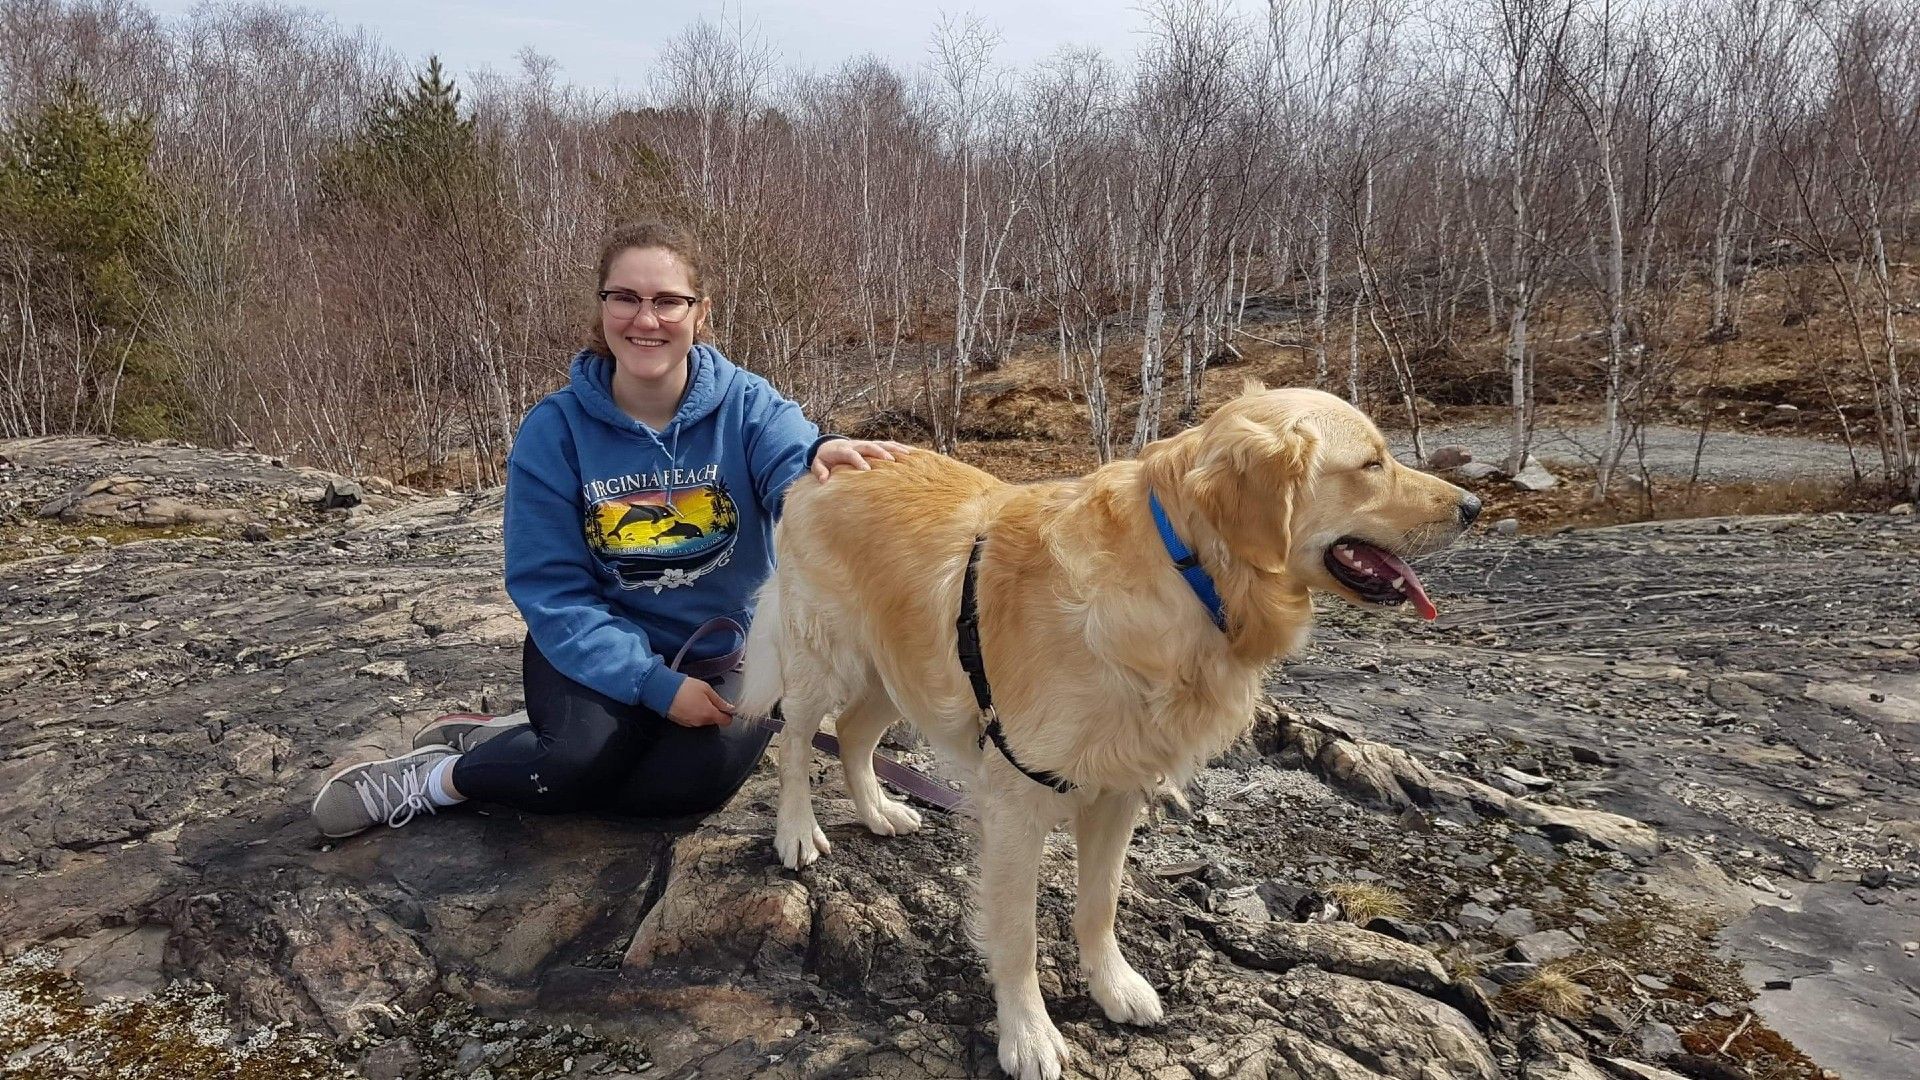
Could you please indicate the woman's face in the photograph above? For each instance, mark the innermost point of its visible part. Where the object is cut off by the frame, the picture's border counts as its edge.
(645, 347)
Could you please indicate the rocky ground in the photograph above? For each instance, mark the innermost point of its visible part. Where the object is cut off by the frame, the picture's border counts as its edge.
(1748, 687)
(1640, 804)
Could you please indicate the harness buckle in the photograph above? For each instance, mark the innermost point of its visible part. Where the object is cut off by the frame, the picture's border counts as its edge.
(989, 716)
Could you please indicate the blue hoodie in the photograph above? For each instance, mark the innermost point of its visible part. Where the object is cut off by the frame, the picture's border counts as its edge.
(622, 540)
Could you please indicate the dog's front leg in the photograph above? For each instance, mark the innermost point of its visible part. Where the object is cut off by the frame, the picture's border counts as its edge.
(1101, 831)
(796, 832)
(1013, 834)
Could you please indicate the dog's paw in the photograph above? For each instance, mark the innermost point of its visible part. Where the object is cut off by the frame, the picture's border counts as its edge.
(1126, 997)
(799, 843)
(1032, 1048)
(891, 817)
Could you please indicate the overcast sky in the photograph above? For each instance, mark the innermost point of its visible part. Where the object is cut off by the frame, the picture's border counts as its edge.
(611, 46)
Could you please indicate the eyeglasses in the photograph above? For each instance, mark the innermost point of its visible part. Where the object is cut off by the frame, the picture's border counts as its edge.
(667, 307)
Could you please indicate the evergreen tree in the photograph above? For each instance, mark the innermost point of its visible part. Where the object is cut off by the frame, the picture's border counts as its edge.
(413, 150)
(75, 185)
(79, 210)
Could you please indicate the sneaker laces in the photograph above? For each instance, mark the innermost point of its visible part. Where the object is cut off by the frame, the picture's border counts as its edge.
(396, 799)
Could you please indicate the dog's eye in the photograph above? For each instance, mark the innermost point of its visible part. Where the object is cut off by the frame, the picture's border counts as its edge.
(1375, 465)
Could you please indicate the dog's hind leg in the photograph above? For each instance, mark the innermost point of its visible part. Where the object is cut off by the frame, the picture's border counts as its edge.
(860, 727)
(1101, 831)
(1013, 835)
(796, 833)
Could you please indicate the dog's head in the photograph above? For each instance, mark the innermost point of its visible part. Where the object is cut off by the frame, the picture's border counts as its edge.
(1300, 482)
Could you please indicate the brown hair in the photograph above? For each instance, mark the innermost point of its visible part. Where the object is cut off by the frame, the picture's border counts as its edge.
(664, 235)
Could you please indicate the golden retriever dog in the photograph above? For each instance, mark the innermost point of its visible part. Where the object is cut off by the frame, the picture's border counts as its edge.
(1106, 667)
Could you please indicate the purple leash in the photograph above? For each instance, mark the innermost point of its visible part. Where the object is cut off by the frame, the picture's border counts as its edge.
(905, 779)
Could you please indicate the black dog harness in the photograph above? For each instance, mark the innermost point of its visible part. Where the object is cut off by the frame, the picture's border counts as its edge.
(976, 667)
(1185, 560)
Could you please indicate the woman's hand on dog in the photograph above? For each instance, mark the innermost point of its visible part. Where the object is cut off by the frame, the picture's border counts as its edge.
(696, 705)
(854, 454)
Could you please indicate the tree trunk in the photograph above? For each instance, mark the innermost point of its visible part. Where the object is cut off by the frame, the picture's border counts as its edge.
(1613, 446)
(1519, 311)
(1322, 292)
(1152, 362)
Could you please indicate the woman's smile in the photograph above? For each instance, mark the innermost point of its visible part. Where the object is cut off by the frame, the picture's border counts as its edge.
(649, 352)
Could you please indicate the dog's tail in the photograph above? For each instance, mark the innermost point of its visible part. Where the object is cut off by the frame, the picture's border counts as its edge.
(763, 682)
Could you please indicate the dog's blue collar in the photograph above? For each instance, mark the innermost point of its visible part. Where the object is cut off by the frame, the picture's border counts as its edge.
(1188, 564)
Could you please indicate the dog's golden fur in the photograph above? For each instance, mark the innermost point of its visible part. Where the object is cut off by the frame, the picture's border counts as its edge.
(1105, 667)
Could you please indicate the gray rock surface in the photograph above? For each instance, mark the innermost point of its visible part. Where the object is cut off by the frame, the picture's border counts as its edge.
(1745, 686)
(1546, 946)
(1390, 1030)
(1634, 1070)
(1846, 990)
(1534, 476)
(80, 480)
(1562, 1067)
(168, 705)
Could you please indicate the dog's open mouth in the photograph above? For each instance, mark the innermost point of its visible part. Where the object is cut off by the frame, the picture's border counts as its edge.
(1377, 575)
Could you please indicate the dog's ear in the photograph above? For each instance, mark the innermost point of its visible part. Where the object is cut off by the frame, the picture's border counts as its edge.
(1299, 449)
(1292, 469)
(1247, 481)
(1252, 385)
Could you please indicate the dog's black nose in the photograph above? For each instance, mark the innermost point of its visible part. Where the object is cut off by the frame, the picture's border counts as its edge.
(1469, 509)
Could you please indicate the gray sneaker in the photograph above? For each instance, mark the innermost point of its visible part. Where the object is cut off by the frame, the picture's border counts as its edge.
(464, 731)
(359, 797)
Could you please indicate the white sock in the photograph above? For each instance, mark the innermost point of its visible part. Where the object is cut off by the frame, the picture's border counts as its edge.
(440, 783)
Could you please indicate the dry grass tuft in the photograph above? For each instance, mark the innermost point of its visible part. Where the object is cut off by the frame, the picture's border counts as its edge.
(1551, 991)
(1458, 963)
(1364, 903)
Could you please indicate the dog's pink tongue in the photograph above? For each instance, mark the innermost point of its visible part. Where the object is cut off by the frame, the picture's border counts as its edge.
(1415, 592)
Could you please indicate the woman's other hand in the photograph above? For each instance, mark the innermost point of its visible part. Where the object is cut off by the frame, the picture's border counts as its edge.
(854, 453)
(696, 705)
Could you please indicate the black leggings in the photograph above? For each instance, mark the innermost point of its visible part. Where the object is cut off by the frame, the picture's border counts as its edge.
(583, 750)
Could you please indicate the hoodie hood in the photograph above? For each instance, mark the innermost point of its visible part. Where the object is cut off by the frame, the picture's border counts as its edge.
(591, 379)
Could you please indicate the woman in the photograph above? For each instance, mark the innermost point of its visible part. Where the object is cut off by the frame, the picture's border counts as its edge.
(640, 506)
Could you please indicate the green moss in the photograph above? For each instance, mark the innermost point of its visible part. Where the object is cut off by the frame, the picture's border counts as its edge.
(179, 1032)
(18, 542)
